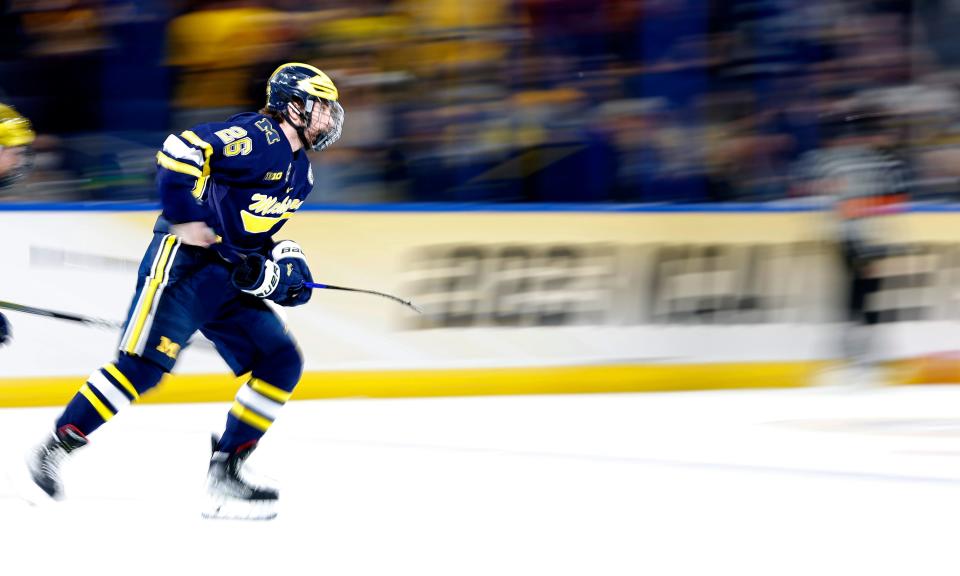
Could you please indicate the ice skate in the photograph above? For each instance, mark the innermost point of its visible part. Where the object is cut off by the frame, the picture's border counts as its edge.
(230, 495)
(46, 459)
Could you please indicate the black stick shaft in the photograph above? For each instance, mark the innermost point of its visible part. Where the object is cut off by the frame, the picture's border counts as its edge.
(406, 303)
(59, 315)
(233, 256)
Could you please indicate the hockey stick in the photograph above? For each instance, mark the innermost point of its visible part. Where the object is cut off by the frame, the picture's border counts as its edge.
(88, 320)
(235, 257)
(60, 315)
(406, 303)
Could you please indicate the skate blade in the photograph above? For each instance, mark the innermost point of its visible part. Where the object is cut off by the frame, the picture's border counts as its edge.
(23, 485)
(233, 509)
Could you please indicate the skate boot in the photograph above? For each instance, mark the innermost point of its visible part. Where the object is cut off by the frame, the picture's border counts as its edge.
(45, 460)
(229, 495)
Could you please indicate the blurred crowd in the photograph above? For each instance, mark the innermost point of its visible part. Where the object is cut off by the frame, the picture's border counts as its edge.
(497, 100)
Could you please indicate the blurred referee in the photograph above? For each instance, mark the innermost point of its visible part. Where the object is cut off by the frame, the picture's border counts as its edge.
(858, 170)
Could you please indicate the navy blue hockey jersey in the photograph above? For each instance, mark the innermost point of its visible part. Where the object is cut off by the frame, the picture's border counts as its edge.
(238, 176)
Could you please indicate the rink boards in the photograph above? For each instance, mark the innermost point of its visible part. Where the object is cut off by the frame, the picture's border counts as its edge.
(585, 299)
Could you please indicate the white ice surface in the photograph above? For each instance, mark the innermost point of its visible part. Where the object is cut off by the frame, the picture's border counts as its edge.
(815, 482)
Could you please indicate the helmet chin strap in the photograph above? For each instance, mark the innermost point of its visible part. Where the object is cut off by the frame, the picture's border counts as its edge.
(304, 116)
(303, 137)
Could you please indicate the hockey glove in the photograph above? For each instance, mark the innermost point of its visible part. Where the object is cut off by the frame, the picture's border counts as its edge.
(280, 280)
(4, 330)
(293, 273)
(257, 276)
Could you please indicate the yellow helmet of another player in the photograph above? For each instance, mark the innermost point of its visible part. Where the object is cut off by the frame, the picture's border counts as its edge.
(15, 130)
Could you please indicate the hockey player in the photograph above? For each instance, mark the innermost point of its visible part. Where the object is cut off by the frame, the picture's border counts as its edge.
(16, 135)
(226, 189)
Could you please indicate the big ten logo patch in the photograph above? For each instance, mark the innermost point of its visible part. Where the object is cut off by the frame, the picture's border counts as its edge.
(168, 347)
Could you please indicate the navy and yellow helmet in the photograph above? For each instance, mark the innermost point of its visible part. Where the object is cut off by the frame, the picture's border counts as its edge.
(304, 86)
(15, 130)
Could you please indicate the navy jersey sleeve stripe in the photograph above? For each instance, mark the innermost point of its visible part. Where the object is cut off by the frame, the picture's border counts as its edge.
(178, 149)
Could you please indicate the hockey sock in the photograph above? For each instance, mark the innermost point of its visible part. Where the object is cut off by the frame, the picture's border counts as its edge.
(107, 390)
(258, 402)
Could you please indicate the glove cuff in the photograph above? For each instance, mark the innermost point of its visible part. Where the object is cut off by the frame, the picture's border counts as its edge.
(287, 249)
(264, 284)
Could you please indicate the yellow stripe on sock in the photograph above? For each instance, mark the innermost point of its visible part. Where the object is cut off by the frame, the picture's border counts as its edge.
(97, 404)
(250, 417)
(269, 390)
(123, 380)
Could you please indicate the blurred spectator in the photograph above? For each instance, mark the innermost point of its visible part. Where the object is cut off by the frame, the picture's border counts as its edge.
(214, 48)
(502, 100)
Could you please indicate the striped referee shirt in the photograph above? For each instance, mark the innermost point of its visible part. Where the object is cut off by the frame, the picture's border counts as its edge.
(862, 182)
